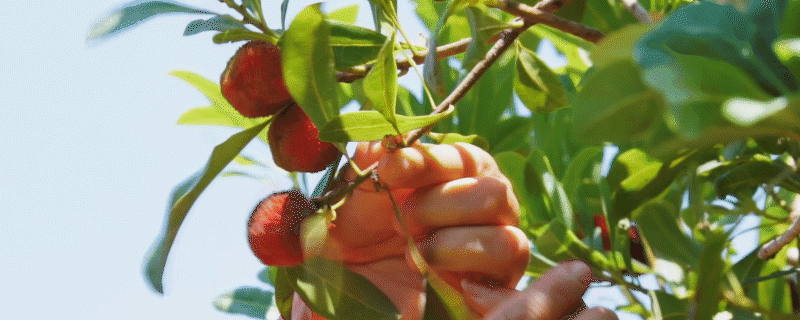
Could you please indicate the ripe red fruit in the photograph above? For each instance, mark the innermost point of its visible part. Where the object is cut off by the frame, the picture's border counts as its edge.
(600, 221)
(295, 144)
(253, 80)
(274, 228)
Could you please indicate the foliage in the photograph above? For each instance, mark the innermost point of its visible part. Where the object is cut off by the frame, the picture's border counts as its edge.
(678, 128)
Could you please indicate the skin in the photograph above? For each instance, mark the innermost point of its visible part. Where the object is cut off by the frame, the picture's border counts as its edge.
(462, 212)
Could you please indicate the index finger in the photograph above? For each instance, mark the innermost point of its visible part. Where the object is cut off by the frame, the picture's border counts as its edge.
(428, 164)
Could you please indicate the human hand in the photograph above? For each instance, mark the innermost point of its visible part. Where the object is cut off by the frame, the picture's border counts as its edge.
(453, 200)
(555, 295)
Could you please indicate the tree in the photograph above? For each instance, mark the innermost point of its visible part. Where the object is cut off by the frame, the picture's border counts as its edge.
(699, 100)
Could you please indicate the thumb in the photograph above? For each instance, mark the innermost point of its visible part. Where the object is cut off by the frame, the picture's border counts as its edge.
(483, 298)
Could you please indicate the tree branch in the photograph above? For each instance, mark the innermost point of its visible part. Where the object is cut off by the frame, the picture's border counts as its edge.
(537, 15)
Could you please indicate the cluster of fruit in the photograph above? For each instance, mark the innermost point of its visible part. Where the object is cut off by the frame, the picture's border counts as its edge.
(253, 84)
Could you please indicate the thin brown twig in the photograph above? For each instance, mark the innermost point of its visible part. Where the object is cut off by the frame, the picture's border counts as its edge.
(537, 15)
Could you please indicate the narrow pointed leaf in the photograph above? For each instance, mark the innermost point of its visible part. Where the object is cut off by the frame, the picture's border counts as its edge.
(235, 35)
(346, 15)
(335, 292)
(308, 65)
(249, 301)
(537, 86)
(134, 13)
(432, 70)
(216, 23)
(187, 193)
(371, 125)
(380, 84)
(354, 45)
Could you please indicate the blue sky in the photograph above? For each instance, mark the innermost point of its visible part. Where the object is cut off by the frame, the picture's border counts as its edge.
(90, 153)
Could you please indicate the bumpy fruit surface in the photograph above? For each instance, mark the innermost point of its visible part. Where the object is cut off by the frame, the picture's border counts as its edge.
(253, 80)
(274, 228)
(295, 144)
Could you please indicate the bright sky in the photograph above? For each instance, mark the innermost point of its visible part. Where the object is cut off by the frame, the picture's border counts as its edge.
(90, 153)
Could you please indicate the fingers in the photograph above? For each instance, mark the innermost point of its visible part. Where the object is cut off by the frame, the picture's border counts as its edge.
(466, 201)
(553, 296)
(597, 314)
(497, 254)
(427, 164)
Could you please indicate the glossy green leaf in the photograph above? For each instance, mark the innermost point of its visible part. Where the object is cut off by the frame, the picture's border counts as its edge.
(220, 113)
(536, 85)
(215, 23)
(432, 70)
(616, 105)
(353, 45)
(335, 292)
(435, 308)
(371, 125)
(667, 306)
(658, 225)
(380, 84)
(703, 32)
(346, 15)
(308, 65)
(545, 180)
(583, 166)
(482, 27)
(235, 35)
(711, 272)
(747, 112)
(513, 166)
(284, 8)
(133, 13)
(558, 243)
(628, 164)
(249, 301)
(283, 280)
(187, 193)
(510, 134)
(450, 138)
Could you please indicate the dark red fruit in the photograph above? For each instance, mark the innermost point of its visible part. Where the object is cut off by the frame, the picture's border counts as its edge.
(253, 80)
(295, 144)
(274, 228)
(600, 221)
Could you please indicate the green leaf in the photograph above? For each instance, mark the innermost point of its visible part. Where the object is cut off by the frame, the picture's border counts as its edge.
(380, 84)
(371, 125)
(711, 272)
(249, 301)
(132, 14)
(510, 134)
(532, 203)
(335, 292)
(283, 280)
(308, 65)
(220, 112)
(479, 23)
(788, 51)
(354, 45)
(616, 105)
(432, 70)
(216, 23)
(667, 306)
(346, 15)
(707, 31)
(184, 196)
(583, 166)
(658, 225)
(284, 8)
(747, 112)
(235, 35)
(435, 308)
(554, 191)
(450, 138)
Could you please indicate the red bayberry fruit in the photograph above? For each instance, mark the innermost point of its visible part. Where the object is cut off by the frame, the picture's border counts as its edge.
(253, 80)
(295, 144)
(274, 228)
